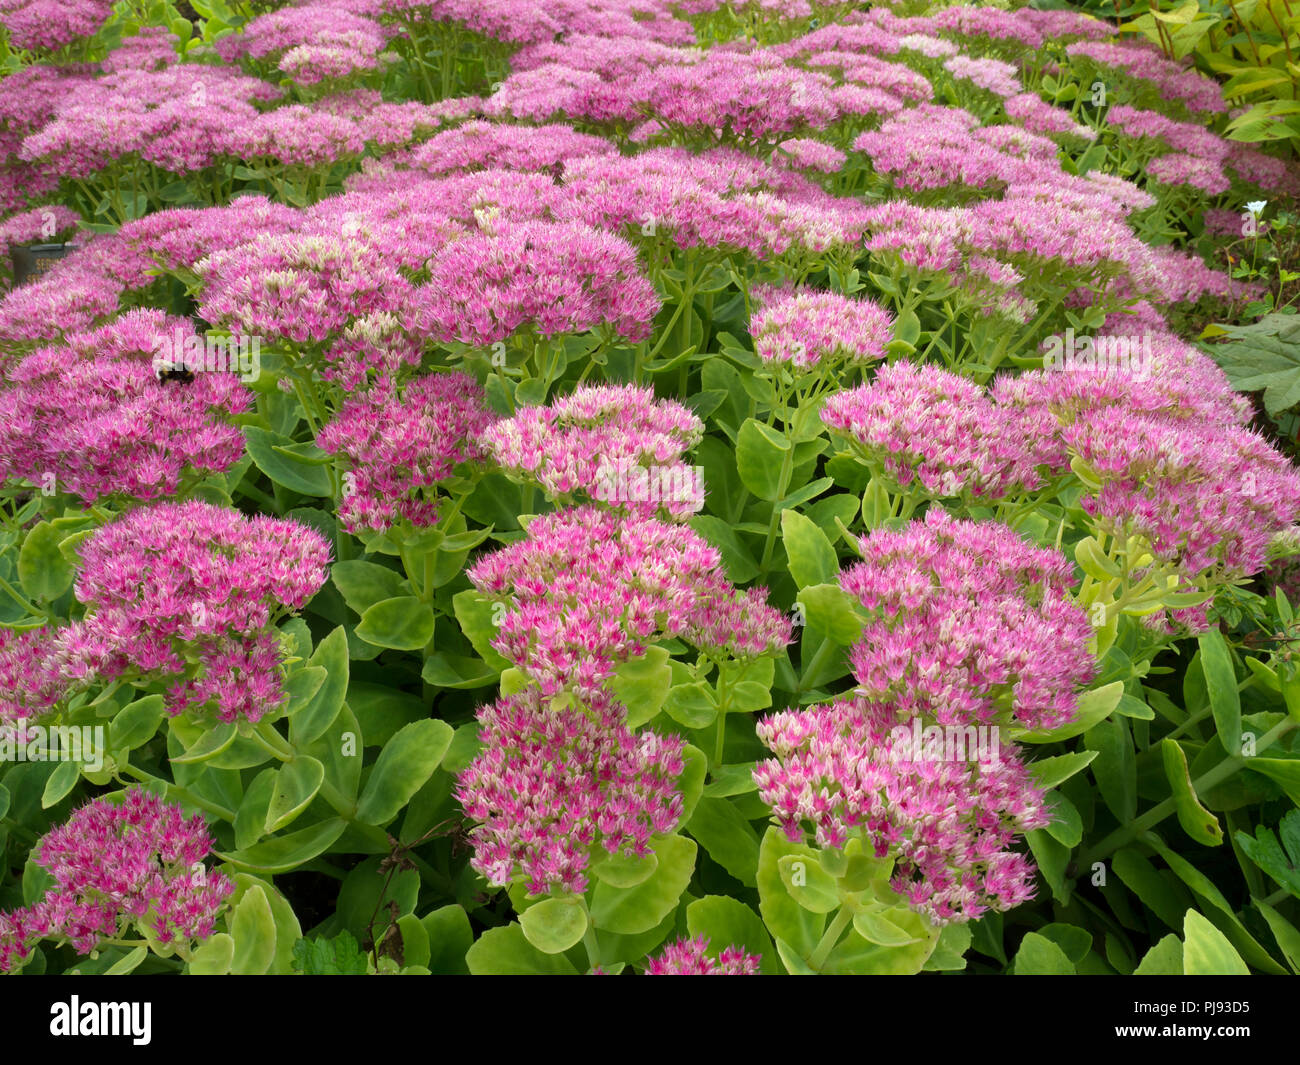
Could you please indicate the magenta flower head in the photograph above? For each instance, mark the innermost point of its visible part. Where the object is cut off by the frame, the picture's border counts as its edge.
(179, 237)
(690, 957)
(554, 789)
(992, 75)
(805, 153)
(555, 278)
(968, 624)
(716, 199)
(848, 770)
(40, 224)
(399, 445)
(126, 860)
(180, 119)
(153, 48)
(1167, 457)
(479, 145)
(809, 329)
(47, 25)
(590, 588)
(613, 443)
(189, 593)
(1207, 498)
(298, 288)
(75, 295)
(97, 419)
(31, 684)
(933, 431)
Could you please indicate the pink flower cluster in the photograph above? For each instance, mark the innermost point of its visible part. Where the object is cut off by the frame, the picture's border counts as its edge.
(48, 25)
(1144, 62)
(968, 624)
(596, 441)
(552, 789)
(117, 862)
(931, 147)
(1018, 32)
(31, 683)
(805, 153)
(188, 593)
(690, 957)
(400, 444)
(477, 145)
(181, 119)
(94, 418)
(75, 295)
(1038, 116)
(30, 98)
(719, 199)
(553, 277)
(1176, 462)
(811, 329)
(1200, 156)
(992, 74)
(39, 225)
(310, 42)
(298, 288)
(178, 238)
(948, 825)
(534, 21)
(153, 48)
(935, 430)
(590, 588)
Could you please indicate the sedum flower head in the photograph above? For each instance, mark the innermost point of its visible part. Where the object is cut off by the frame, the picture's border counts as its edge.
(188, 593)
(137, 861)
(400, 444)
(845, 769)
(96, 416)
(689, 957)
(552, 786)
(935, 430)
(612, 443)
(808, 328)
(968, 624)
(590, 588)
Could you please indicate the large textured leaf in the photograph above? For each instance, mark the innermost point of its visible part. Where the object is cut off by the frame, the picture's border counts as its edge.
(1264, 355)
(1281, 860)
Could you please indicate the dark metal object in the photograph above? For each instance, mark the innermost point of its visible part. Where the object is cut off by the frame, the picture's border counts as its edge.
(32, 260)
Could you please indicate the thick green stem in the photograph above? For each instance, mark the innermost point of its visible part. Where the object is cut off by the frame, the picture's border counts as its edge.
(830, 938)
(722, 720)
(269, 738)
(783, 483)
(1160, 811)
(592, 944)
(825, 651)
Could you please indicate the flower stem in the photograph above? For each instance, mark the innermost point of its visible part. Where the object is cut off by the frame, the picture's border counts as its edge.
(1160, 811)
(832, 936)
